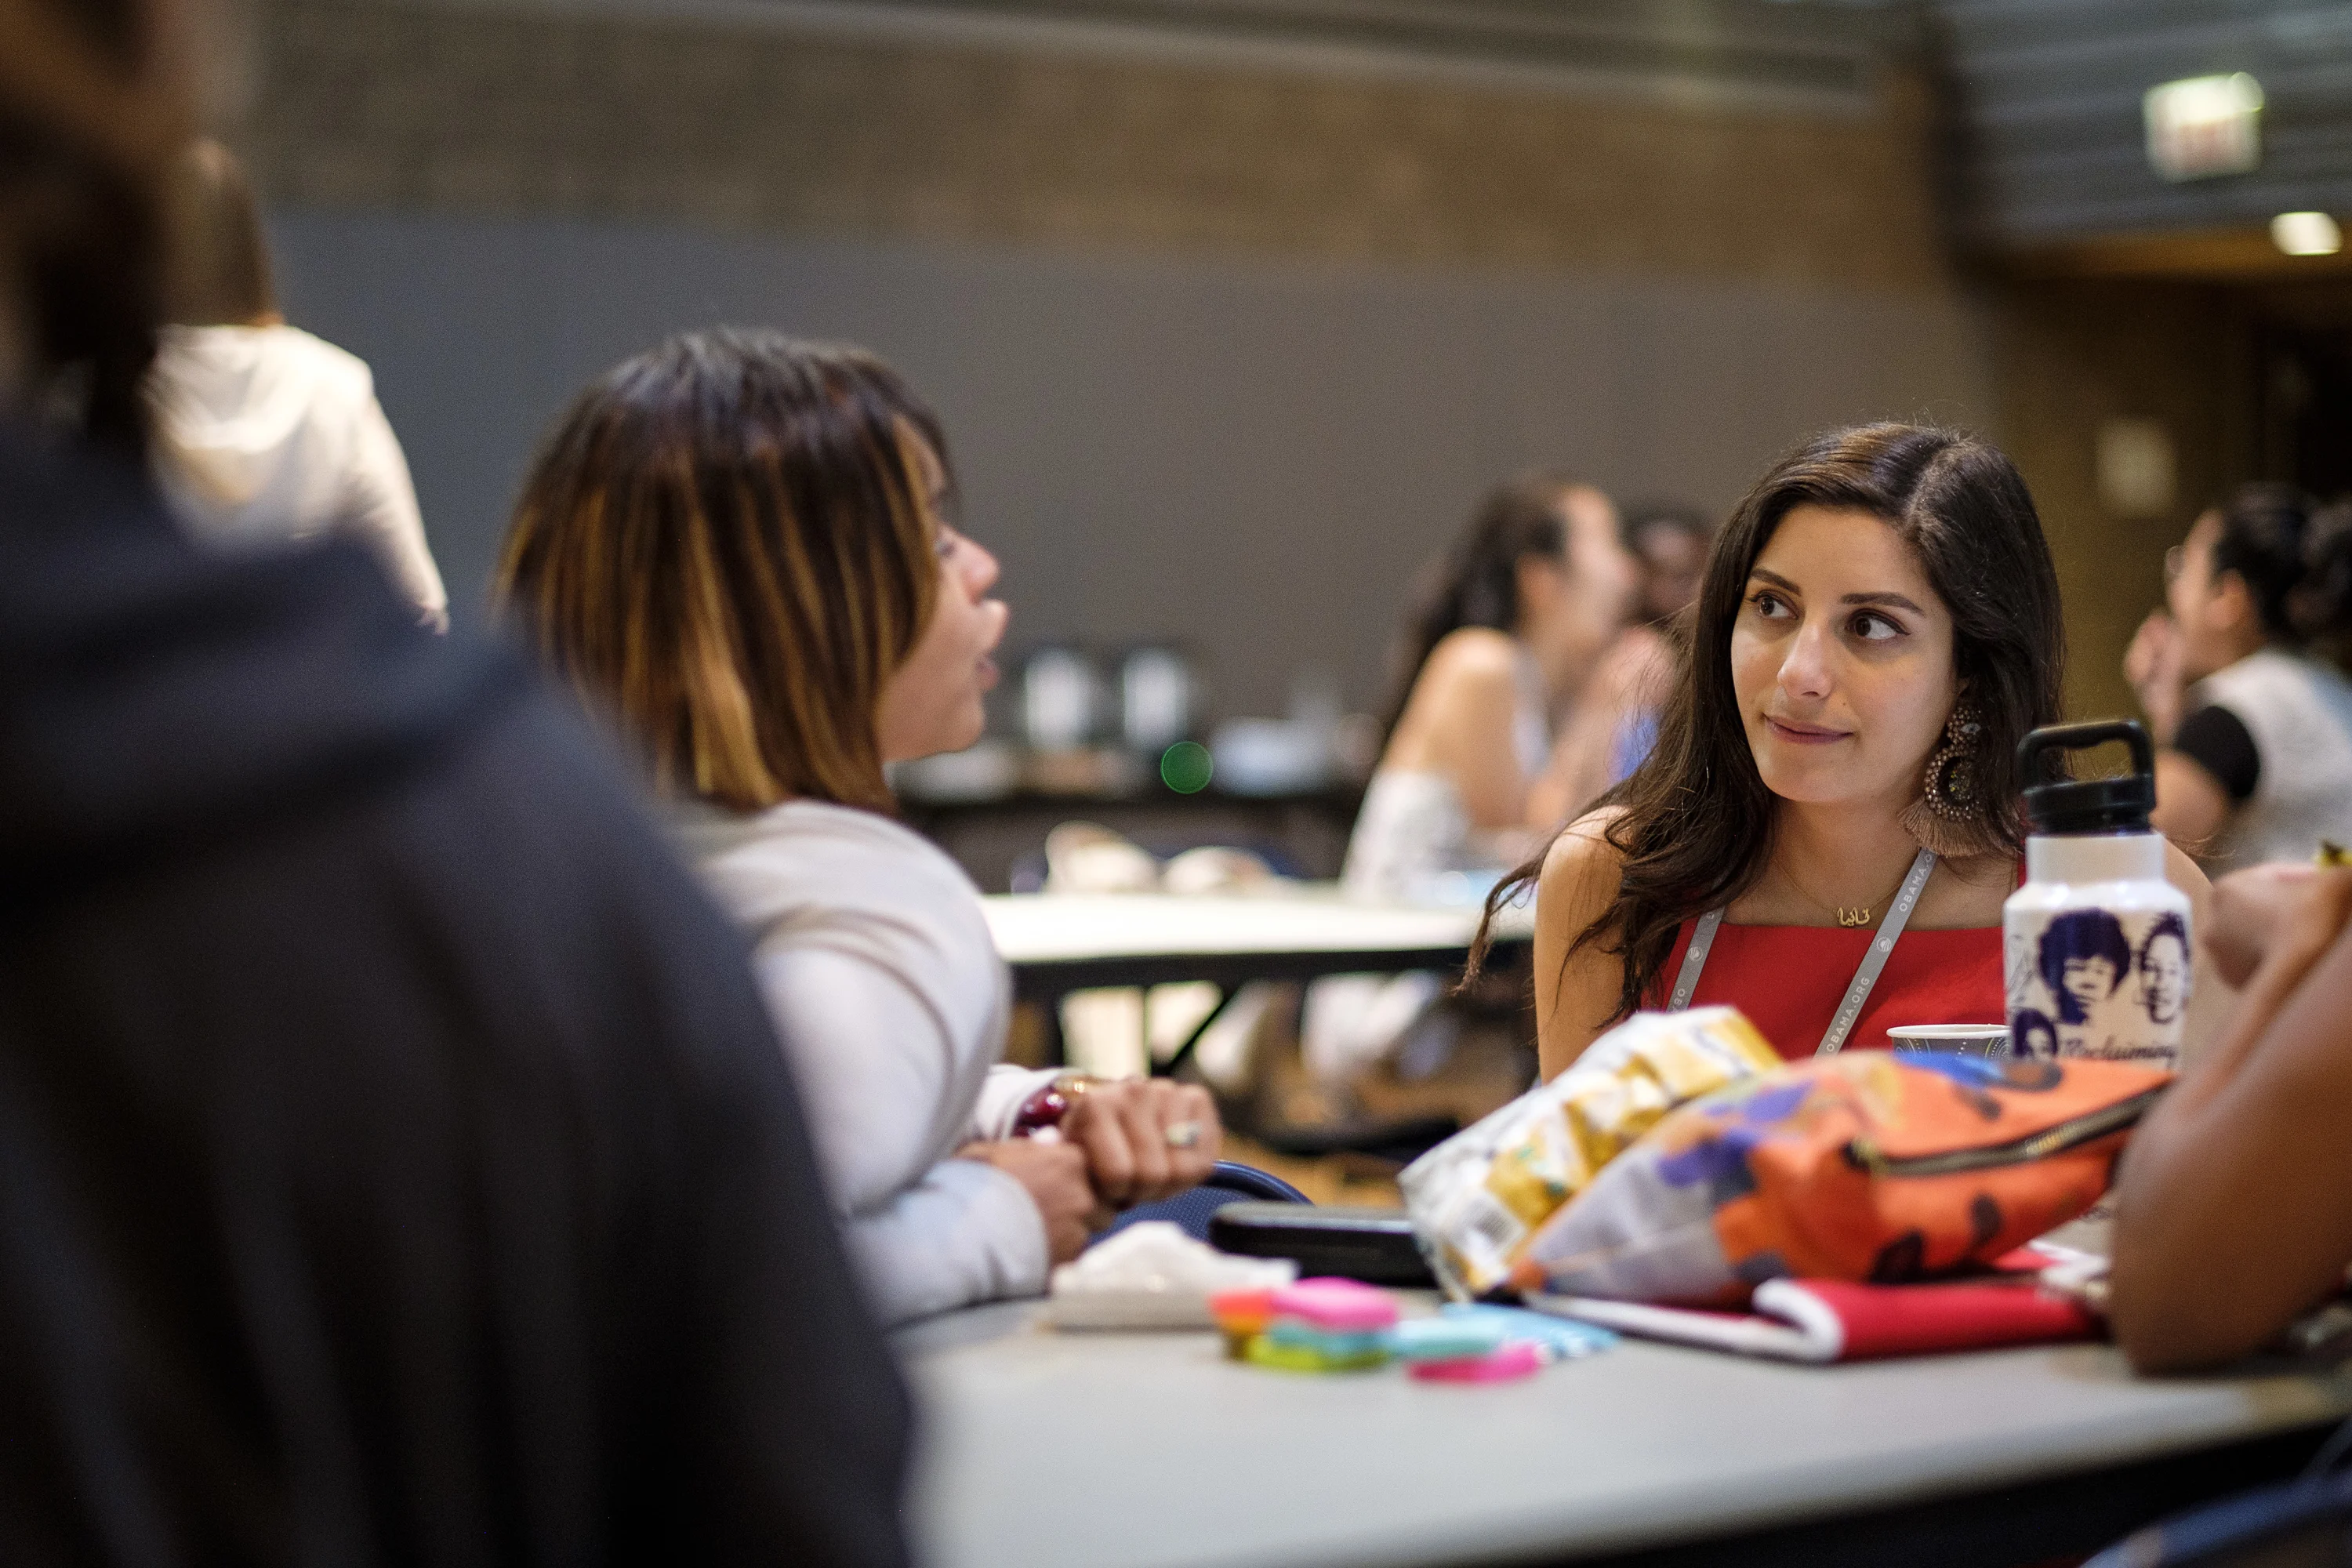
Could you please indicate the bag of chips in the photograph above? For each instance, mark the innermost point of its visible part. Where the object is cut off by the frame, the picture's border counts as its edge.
(1873, 1165)
(1477, 1198)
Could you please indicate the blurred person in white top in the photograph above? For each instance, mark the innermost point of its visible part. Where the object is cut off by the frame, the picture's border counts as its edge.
(265, 435)
(2240, 679)
(739, 544)
(1500, 730)
(1510, 630)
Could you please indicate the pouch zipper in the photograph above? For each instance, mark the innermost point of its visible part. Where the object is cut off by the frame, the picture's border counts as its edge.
(2085, 1129)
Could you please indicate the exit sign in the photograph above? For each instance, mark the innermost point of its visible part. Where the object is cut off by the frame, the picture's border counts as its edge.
(2204, 126)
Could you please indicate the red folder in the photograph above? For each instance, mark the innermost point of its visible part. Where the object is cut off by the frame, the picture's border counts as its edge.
(1831, 1319)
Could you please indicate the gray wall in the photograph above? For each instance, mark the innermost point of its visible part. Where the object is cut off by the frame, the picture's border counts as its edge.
(1251, 456)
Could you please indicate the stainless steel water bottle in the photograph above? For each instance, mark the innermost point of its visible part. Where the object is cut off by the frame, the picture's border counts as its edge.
(2095, 945)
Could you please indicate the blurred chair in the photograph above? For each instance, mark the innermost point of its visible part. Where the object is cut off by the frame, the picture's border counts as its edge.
(2302, 1523)
(1228, 1183)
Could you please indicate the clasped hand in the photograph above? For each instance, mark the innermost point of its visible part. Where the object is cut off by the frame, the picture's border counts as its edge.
(1124, 1144)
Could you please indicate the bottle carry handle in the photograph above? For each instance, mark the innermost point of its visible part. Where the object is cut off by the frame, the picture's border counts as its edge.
(2082, 737)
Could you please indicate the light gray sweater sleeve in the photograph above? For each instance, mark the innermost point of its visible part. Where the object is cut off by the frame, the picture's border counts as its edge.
(876, 1066)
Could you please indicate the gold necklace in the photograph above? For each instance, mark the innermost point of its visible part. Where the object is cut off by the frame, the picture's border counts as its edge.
(1847, 917)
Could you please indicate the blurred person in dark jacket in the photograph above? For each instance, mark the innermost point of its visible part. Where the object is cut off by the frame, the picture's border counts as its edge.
(396, 1162)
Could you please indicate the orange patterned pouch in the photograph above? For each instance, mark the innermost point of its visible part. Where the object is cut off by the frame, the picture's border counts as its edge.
(1874, 1165)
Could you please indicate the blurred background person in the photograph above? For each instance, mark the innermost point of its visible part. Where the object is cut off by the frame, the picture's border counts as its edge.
(1615, 721)
(399, 1164)
(2255, 719)
(1671, 542)
(739, 544)
(1510, 626)
(265, 434)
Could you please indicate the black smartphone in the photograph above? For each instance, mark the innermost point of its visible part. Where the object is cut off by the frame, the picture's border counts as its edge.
(1375, 1245)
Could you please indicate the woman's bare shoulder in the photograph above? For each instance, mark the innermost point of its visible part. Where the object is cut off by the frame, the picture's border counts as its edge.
(1582, 867)
(1465, 690)
(1471, 656)
(1576, 984)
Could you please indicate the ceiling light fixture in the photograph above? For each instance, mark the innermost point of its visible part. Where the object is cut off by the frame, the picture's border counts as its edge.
(2204, 126)
(2306, 234)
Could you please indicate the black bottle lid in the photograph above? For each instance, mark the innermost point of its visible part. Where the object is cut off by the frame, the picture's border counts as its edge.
(2118, 805)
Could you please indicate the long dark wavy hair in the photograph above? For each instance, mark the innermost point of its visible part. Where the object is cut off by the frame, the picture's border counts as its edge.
(1696, 825)
(1476, 582)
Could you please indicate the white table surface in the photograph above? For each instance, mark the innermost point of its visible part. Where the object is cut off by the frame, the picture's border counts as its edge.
(1045, 928)
(1052, 1450)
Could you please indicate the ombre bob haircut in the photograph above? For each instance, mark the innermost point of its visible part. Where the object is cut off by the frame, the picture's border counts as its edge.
(728, 542)
(1696, 822)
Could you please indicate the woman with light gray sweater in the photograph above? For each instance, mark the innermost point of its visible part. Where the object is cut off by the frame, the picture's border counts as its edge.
(739, 543)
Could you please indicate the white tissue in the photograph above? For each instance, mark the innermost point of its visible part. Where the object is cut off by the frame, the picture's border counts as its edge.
(1153, 1275)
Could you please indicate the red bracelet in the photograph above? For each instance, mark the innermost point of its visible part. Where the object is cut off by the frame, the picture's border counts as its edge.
(1051, 1104)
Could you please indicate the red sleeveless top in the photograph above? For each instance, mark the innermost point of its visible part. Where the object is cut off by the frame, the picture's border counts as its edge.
(1789, 980)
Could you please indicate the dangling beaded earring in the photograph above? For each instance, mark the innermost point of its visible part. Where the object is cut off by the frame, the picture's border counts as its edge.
(1951, 792)
(1949, 816)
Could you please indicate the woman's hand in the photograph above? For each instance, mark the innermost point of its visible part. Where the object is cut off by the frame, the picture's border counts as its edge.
(1144, 1139)
(1055, 1175)
(2153, 664)
(2279, 917)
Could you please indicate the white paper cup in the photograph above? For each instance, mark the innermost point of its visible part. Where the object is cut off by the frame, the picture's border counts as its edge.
(1970, 1039)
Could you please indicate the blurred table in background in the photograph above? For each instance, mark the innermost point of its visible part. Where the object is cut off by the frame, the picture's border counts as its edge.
(1303, 833)
(1150, 1450)
(1060, 942)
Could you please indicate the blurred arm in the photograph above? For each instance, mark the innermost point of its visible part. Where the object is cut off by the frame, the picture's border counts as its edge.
(382, 511)
(1633, 675)
(2234, 1210)
(2191, 808)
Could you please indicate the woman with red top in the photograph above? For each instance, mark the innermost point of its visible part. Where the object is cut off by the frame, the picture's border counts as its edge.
(1827, 828)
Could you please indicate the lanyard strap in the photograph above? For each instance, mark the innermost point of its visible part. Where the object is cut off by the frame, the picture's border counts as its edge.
(1873, 959)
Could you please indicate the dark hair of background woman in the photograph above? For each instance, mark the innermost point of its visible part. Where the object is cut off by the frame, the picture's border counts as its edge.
(77, 179)
(1696, 825)
(1476, 583)
(219, 273)
(2295, 559)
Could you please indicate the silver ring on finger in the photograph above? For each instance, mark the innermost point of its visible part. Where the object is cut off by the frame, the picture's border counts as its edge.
(1183, 1134)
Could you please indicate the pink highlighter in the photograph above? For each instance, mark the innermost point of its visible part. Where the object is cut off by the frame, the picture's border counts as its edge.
(1501, 1364)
